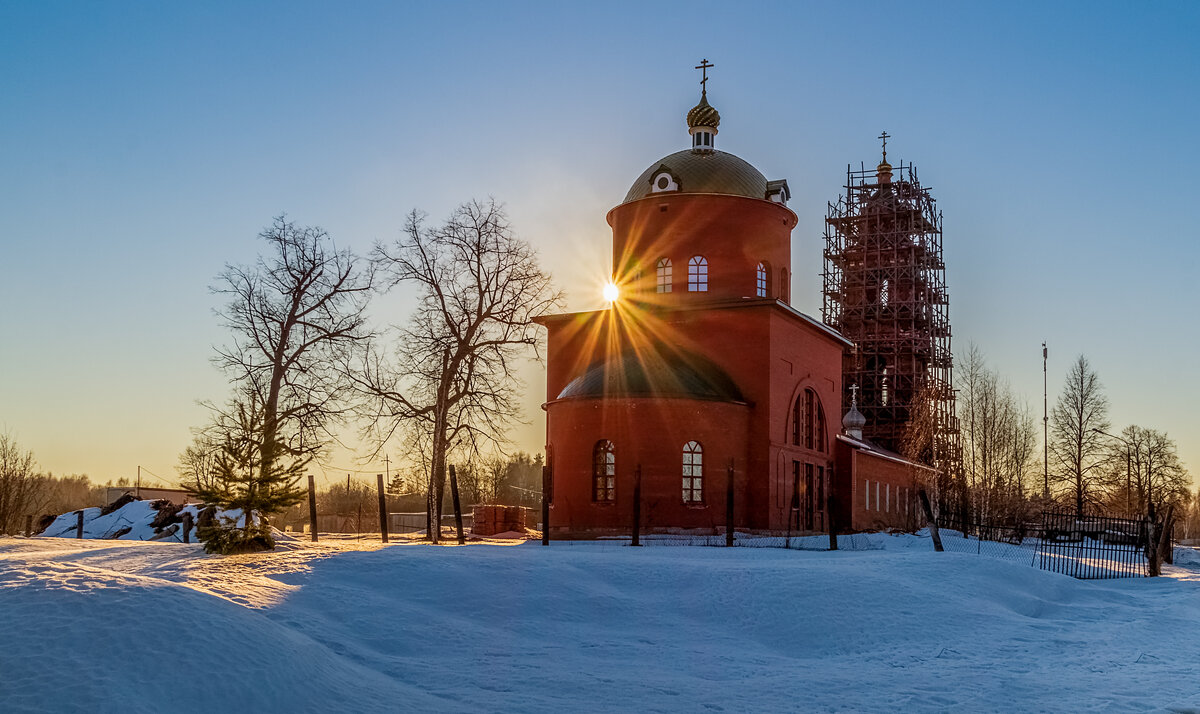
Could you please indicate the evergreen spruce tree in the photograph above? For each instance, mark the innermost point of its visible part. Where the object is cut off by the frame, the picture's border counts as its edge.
(242, 483)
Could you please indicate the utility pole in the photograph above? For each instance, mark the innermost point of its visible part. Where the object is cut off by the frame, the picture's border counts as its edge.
(1045, 428)
(387, 471)
(138, 488)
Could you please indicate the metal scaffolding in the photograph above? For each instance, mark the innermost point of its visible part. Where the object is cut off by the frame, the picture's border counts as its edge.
(885, 290)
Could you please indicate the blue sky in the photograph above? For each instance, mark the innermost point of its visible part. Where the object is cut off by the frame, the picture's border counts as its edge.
(145, 145)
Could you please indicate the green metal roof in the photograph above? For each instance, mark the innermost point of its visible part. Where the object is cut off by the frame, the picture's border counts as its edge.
(658, 371)
(703, 172)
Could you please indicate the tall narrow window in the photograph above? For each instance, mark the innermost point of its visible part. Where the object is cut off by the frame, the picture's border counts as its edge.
(693, 472)
(663, 275)
(698, 274)
(820, 427)
(884, 293)
(797, 421)
(810, 417)
(808, 421)
(760, 280)
(604, 472)
(883, 388)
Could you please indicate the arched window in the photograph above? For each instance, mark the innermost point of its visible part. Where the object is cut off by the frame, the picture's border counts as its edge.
(784, 286)
(797, 421)
(810, 417)
(604, 472)
(663, 275)
(819, 428)
(762, 279)
(808, 421)
(693, 472)
(698, 274)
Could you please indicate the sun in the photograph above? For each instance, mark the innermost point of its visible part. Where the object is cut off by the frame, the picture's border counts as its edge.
(611, 292)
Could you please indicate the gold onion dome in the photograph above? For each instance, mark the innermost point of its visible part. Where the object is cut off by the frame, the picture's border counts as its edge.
(703, 114)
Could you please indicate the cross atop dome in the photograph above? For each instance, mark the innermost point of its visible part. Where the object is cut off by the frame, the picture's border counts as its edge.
(704, 67)
(703, 119)
(883, 172)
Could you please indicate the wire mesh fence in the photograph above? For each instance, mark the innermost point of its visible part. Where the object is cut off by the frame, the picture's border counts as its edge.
(806, 541)
(1017, 542)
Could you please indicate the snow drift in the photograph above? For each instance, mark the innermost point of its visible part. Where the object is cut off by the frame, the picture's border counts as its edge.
(585, 627)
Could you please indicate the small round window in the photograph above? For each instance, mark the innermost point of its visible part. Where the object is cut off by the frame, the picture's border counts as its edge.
(663, 182)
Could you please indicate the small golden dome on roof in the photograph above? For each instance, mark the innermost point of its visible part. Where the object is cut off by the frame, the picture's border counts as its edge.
(703, 114)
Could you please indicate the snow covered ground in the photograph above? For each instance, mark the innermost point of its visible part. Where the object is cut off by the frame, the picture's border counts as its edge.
(127, 626)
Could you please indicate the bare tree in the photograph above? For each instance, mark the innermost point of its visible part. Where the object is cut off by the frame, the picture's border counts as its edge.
(1077, 425)
(492, 471)
(451, 376)
(1144, 469)
(917, 446)
(198, 462)
(20, 484)
(296, 314)
(999, 438)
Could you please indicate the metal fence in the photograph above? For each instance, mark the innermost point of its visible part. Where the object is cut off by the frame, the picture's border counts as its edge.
(795, 541)
(1085, 547)
(1094, 547)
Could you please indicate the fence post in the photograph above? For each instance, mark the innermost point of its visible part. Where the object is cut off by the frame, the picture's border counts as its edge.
(429, 513)
(312, 508)
(637, 505)
(457, 504)
(830, 503)
(383, 514)
(729, 525)
(933, 526)
(793, 507)
(547, 484)
(28, 526)
(187, 526)
(79, 524)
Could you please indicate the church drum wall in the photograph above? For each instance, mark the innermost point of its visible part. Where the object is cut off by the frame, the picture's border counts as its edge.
(652, 433)
(733, 233)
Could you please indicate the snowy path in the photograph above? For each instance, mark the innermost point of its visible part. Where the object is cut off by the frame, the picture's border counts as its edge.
(127, 626)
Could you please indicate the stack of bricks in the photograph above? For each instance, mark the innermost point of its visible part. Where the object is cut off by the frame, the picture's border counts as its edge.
(490, 520)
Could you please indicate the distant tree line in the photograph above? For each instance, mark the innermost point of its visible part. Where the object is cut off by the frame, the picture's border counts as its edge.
(26, 491)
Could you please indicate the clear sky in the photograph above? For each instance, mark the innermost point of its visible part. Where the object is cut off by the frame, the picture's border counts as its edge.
(144, 145)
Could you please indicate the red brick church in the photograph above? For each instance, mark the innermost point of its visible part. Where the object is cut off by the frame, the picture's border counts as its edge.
(701, 371)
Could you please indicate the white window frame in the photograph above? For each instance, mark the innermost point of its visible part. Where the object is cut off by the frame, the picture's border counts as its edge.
(698, 274)
(662, 275)
(693, 473)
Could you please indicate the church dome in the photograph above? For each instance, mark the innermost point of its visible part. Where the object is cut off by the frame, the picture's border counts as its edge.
(854, 419)
(701, 172)
(654, 372)
(703, 114)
